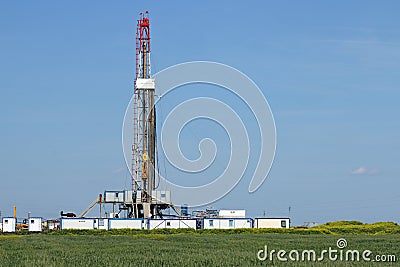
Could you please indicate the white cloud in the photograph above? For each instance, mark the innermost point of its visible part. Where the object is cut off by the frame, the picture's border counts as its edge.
(363, 171)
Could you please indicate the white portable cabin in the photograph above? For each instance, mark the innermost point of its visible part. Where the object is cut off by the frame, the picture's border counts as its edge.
(227, 223)
(9, 224)
(272, 223)
(101, 223)
(232, 214)
(126, 223)
(34, 224)
(77, 223)
(53, 224)
(114, 196)
(188, 223)
(171, 223)
(161, 196)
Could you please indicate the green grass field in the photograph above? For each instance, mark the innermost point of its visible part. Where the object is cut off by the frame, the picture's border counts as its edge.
(186, 248)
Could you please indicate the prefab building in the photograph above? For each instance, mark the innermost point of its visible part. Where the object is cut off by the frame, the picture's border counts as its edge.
(188, 223)
(161, 224)
(101, 223)
(227, 223)
(35, 224)
(53, 224)
(9, 224)
(232, 214)
(114, 196)
(171, 223)
(77, 223)
(161, 196)
(126, 223)
(272, 223)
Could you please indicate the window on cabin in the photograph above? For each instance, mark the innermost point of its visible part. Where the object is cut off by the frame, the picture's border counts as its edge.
(32, 221)
(168, 223)
(283, 223)
(230, 223)
(211, 222)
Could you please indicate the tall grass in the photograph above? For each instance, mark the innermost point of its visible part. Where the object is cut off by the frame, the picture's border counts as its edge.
(175, 249)
(188, 247)
(331, 228)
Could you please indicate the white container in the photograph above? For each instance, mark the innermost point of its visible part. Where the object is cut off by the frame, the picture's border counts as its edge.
(161, 196)
(35, 224)
(171, 223)
(188, 223)
(123, 223)
(243, 223)
(114, 196)
(156, 224)
(9, 224)
(53, 224)
(232, 213)
(101, 223)
(77, 223)
(212, 223)
(227, 223)
(272, 223)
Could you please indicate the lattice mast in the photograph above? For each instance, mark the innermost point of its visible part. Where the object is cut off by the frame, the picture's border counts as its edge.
(143, 149)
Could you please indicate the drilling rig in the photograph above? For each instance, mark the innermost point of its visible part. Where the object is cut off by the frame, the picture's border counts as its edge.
(143, 200)
(144, 146)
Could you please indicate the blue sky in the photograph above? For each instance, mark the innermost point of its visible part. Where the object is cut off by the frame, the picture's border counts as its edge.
(330, 72)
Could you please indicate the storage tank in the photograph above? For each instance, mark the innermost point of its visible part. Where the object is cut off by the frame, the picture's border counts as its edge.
(184, 210)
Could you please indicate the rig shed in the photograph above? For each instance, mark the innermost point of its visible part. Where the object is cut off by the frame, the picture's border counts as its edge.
(227, 223)
(272, 223)
(232, 214)
(77, 223)
(101, 223)
(126, 223)
(35, 224)
(9, 224)
(171, 223)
